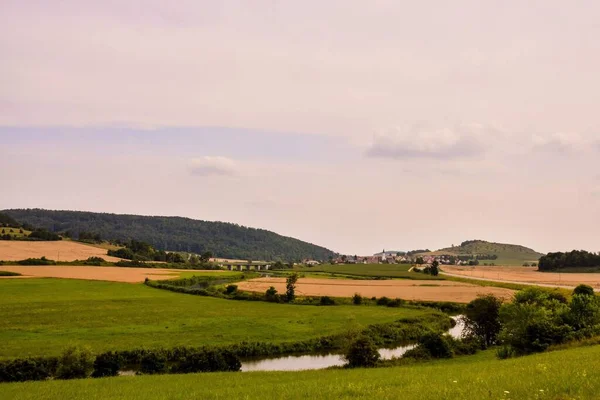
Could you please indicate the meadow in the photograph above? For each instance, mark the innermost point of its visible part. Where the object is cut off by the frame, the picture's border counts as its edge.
(370, 270)
(566, 374)
(40, 317)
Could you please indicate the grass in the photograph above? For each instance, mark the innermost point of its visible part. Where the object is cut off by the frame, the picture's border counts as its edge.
(566, 374)
(371, 270)
(16, 234)
(42, 316)
(8, 273)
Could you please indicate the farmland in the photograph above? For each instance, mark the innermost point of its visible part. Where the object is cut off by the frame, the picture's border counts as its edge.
(525, 274)
(370, 270)
(113, 274)
(63, 250)
(399, 288)
(42, 316)
(565, 374)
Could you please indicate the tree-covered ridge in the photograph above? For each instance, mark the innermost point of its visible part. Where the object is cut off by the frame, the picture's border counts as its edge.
(223, 239)
(500, 253)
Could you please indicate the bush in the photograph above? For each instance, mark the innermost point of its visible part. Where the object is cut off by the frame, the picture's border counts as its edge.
(584, 289)
(326, 301)
(75, 362)
(107, 364)
(231, 289)
(36, 261)
(504, 352)
(208, 361)
(395, 303)
(481, 319)
(362, 353)
(357, 299)
(28, 369)
(383, 301)
(153, 363)
(271, 295)
(436, 345)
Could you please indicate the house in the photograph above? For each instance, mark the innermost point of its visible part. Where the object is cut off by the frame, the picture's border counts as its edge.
(311, 263)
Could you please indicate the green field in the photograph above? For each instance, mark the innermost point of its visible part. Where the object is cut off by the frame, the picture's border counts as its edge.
(42, 316)
(565, 374)
(16, 234)
(370, 270)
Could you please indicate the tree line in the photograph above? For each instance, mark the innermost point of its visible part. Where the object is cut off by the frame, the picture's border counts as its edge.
(573, 259)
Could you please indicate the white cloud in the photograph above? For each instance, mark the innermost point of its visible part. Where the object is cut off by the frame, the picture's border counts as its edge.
(464, 140)
(560, 142)
(213, 166)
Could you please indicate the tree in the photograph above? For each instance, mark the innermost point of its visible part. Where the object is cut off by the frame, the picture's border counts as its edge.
(271, 294)
(206, 256)
(420, 261)
(481, 319)
(434, 270)
(362, 353)
(290, 287)
(357, 299)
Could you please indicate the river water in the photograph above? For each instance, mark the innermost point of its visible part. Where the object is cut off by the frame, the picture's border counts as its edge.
(311, 361)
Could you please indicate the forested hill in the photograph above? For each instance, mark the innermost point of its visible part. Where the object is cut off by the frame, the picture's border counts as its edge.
(224, 240)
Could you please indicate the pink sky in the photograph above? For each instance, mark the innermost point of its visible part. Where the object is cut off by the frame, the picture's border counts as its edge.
(355, 125)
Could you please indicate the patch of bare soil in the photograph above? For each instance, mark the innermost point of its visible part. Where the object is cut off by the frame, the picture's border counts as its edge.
(404, 289)
(14, 250)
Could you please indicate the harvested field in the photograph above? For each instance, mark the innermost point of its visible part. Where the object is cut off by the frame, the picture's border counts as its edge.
(62, 250)
(526, 275)
(114, 274)
(404, 289)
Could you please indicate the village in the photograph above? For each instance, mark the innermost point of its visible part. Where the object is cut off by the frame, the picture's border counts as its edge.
(399, 257)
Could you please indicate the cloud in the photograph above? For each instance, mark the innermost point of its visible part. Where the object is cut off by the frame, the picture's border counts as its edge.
(560, 142)
(464, 140)
(213, 166)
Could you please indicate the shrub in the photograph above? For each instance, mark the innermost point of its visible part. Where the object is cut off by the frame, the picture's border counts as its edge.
(271, 295)
(326, 301)
(28, 369)
(362, 353)
(231, 289)
(36, 261)
(383, 301)
(395, 303)
(107, 364)
(357, 299)
(208, 361)
(75, 362)
(504, 352)
(153, 363)
(290, 287)
(584, 289)
(436, 345)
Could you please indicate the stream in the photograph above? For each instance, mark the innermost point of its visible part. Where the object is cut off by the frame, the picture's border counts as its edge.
(311, 361)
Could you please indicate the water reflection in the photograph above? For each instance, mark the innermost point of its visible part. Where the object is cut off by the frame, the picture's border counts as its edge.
(311, 361)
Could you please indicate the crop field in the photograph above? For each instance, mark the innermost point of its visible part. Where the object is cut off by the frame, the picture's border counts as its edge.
(565, 374)
(371, 270)
(61, 250)
(459, 292)
(113, 274)
(43, 316)
(526, 274)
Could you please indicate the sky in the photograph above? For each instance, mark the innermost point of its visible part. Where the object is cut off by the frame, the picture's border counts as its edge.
(355, 125)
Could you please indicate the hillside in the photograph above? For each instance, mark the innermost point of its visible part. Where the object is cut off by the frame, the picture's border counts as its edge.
(507, 254)
(176, 234)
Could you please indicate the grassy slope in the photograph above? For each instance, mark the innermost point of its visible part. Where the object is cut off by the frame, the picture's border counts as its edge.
(508, 254)
(373, 270)
(566, 374)
(16, 232)
(42, 316)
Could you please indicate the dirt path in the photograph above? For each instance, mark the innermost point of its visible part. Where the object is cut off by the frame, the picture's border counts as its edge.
(404, 289)
(115, 274)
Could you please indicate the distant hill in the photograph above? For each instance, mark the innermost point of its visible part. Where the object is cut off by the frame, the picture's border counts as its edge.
(225, 240)
(507, 254)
